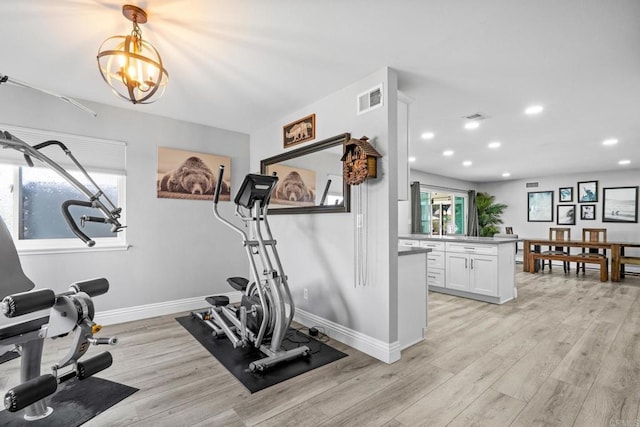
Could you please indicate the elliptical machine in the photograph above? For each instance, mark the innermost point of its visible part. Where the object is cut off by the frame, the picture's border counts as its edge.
(266, 308)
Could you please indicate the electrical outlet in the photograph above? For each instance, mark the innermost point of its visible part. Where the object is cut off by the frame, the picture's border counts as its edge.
(305, 293)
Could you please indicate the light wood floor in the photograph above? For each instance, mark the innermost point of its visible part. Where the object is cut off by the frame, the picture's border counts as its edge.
(566, 353)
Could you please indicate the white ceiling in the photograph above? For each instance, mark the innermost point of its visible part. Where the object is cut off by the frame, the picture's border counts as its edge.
(241, 64)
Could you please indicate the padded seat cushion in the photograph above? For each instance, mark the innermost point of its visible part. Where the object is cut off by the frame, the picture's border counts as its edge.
(22, 328)
(12, 279)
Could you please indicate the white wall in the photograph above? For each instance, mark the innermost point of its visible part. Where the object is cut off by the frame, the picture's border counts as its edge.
(317, 250)
(178, 250)
(514, 194)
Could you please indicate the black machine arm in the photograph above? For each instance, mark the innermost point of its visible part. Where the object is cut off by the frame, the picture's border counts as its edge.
(97, 200)
(216, 193)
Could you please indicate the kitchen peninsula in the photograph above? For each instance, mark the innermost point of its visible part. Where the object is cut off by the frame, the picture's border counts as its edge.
(481, 268)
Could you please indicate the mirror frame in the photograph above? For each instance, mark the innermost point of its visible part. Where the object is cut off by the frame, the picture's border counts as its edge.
(308, 149)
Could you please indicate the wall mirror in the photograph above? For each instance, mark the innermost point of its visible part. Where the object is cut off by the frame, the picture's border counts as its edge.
(310, 178)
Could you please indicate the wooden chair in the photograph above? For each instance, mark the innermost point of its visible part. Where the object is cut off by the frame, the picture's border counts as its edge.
(559, 234)
(592, 235)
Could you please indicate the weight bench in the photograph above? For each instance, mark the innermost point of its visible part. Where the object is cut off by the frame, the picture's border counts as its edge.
(602, 261)
(69, 312)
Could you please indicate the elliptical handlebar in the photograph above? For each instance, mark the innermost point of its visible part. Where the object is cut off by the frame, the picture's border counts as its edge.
(216, 194)
(216, 197)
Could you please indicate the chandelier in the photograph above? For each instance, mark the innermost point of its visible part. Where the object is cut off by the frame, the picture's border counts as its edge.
(131, 66)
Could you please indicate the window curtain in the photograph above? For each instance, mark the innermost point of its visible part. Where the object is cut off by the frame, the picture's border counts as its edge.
(473, 228)
(416, 210)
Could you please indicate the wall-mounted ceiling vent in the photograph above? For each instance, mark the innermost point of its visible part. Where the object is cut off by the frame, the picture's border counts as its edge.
(532, 184)
(370, 100)
(475, 116)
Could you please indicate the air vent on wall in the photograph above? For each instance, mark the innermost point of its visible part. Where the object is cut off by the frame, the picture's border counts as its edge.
(370, 99)
(532, 184)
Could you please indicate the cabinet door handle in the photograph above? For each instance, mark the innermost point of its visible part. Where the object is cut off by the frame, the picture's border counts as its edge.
(431, 277)
(470, 248)
(465, 263)
(472, 263)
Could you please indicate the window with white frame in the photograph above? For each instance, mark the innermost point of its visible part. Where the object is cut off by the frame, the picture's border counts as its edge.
(31, 197)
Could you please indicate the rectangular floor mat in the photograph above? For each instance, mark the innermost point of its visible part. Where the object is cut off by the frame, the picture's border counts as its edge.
(74, 403)
(237, 360)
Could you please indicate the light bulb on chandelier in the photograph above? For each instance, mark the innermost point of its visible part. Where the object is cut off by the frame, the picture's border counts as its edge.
(131, 66)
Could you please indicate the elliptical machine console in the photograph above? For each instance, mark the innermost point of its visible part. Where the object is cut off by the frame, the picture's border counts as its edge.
(266, 309)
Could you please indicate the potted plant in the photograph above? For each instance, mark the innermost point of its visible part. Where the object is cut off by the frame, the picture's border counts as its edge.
(488, 214)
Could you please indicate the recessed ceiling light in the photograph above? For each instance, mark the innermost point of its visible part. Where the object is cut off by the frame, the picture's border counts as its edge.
(494, 144)
(447, 153)
(534, 109)
(610, 141)
(472, 125)
(506, 174)
(467, 163)
(427, 135)
(624, 162)
(412, 159)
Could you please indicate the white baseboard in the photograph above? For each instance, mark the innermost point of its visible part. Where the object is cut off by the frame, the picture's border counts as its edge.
(386, 352)
(129, 314)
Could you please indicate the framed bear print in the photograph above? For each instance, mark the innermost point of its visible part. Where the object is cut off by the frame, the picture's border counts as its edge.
(191, 175)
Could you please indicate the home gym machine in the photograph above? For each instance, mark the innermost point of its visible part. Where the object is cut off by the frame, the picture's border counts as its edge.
(266, 308)
(69, 312)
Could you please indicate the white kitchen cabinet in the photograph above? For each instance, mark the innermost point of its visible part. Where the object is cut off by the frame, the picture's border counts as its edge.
(457, 271)
(471, 267)
(483, 277)
(470, 271)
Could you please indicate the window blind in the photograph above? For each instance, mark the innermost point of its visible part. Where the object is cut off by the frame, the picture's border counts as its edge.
(94, 154)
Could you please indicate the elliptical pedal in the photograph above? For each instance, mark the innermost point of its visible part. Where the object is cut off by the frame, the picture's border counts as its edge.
(218, 300)
(238, 283)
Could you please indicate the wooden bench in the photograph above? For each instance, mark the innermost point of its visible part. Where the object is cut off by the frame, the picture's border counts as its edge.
(602, 261)
(628, 260)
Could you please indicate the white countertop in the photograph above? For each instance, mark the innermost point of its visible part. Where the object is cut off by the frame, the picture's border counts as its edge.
(459, 238)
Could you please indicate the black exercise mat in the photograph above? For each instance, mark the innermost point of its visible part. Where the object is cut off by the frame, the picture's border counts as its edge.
(237, 360)
(75, 403)
(9, 355)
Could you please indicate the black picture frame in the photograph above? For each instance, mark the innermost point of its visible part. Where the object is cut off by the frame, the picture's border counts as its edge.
(335, 143)
(587, 191)
(540, 206)
(588, 212)
(566, 214)
(565, 194)
(620, 204)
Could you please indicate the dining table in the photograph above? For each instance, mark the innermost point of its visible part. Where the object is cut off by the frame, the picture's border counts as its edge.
(616, 249)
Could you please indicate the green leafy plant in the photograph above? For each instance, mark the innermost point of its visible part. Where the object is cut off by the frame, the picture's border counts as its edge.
(489, 214)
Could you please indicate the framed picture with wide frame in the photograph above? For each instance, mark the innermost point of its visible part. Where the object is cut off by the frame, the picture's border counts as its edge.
(566, 215)
(587, 191)
(588, 212)
(540, 206)
(620, 204)
(565, 194)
